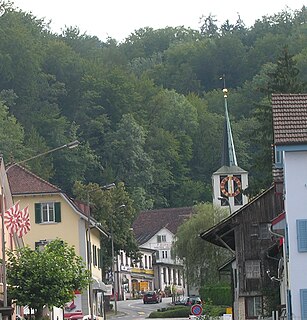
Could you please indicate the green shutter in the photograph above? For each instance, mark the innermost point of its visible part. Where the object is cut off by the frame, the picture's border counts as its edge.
(57, 208)
(303, 294)
(38, 215)
(301, 228)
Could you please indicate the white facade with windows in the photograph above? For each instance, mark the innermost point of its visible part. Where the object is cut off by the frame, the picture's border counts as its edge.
(295, 184)
(156, 270)
(168, 270)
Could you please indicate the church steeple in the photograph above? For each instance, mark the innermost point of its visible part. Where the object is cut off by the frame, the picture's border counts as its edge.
(229, 157)
(230, 180)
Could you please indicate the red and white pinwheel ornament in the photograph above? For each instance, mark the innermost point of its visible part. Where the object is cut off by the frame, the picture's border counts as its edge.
(16, 220)
(24, 222)
(12, 218)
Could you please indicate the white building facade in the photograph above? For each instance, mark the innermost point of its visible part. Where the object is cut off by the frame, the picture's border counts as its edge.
(290, 140)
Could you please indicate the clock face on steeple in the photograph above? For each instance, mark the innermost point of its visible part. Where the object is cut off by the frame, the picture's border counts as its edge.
(230, 185)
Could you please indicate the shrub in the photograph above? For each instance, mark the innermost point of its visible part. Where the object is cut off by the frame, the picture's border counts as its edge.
(218, 295)
(171, 312)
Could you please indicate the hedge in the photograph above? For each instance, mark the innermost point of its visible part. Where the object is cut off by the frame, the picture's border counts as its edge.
(218, 295)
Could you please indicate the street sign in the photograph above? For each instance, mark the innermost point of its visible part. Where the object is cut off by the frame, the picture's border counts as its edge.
(196, 309)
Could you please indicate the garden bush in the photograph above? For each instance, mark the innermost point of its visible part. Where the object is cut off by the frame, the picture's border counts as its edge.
(218, 295)
(171, 312)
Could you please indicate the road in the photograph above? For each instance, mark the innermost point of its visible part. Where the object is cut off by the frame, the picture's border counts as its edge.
(137, 310)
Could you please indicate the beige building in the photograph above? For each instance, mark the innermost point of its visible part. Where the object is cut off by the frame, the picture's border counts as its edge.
(54, 215)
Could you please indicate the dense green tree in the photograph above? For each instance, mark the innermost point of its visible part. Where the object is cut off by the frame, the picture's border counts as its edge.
(48, 277)
(284, 79)
(201, 259)
(146, 42)
(42, 166)
(11, 136)
(114, 209)
(178, 70)
(208, 26)
(73, 86)
(83, 44)
(126, 156)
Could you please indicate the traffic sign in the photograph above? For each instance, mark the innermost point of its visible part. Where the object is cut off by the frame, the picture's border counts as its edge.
(196, 309)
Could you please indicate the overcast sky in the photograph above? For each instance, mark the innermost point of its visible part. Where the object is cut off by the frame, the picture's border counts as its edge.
(119, 18)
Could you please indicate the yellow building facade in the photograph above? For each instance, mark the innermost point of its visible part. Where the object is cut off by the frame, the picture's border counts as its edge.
(54, 215)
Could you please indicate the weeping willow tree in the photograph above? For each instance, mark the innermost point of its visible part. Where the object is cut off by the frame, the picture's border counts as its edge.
(201, 258)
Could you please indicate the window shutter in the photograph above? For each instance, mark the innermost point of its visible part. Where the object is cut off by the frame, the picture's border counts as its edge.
(57, 208)
(38, 216)
(303, 294)
(99, 258)
(301, 229)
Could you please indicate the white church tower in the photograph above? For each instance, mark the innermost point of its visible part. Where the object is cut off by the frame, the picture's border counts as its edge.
(229, 180)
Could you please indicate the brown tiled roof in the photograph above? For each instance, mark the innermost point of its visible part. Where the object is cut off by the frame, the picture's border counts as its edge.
(148, 223)
(22, 181)
(289, 118)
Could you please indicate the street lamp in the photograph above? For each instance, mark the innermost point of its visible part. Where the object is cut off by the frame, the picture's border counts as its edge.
(69, 145)
(114, 262)
(227, 201)
(89, 257)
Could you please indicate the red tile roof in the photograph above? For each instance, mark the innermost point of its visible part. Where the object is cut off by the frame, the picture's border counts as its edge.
(148, 223)
(289, 118)
(22, 181)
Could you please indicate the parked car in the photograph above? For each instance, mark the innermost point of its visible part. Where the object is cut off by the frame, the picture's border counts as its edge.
(152, 297)
(189, 301)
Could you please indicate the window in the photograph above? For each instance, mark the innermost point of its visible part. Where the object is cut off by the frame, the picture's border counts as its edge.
(252, 269)
(301, 229)
(253, 307)
(164, 254)
(146, 265)
(278, 158)
(99, 257)
(47, 212)
(161, 238)
(157, 254)
(149, 262)
(94, 249)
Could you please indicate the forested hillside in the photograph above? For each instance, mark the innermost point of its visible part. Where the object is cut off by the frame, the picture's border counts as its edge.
(148, 111)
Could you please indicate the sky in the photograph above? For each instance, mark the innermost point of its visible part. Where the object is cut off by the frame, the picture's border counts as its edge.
(119, 18)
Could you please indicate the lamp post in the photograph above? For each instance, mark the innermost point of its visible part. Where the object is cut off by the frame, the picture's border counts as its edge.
(227, 201)
(114, 263)
(69, 145)
(89, 256)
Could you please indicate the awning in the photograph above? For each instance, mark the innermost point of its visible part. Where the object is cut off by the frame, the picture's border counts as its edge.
(278, 225)
(98, 285)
